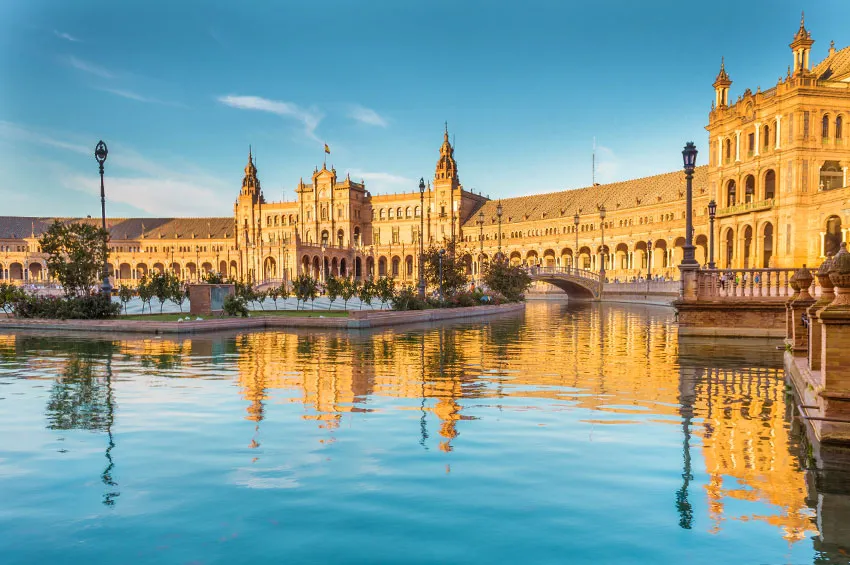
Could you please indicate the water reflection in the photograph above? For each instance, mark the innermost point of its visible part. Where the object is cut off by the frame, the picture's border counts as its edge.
(615, 368)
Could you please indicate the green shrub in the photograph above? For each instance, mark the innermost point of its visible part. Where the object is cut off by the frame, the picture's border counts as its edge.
(407, 298)
(511, 281)
(91, 307)
(9, 294)
(213, 277)
(235, 305)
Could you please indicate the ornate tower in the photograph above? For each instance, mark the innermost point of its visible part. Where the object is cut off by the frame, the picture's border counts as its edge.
(721, 87)
(447, 189)
(247, 211)
(801, 47)
(250, 182)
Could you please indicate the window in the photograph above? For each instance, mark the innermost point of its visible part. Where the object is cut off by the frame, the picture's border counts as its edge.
(805, 125)
(398, 213)
(751, 143)
(728, 149)
(417, 212)
(839, 122)
(825, 127)
(390, 214)
(766, 135)
(376, 236)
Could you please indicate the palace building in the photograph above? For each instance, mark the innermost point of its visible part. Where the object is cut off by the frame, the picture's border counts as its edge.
(777, 169)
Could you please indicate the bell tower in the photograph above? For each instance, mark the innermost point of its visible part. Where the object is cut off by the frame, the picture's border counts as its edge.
(447, 190)
(721, 87)
(801, 47)
(250, 182)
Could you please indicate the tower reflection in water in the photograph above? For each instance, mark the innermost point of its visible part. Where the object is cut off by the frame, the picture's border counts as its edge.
(618, 365)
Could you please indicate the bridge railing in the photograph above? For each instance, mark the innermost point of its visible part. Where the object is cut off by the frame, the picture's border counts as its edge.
(737, 284)
(568, 271)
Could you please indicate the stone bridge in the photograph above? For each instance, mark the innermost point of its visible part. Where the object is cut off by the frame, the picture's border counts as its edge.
(577, 283)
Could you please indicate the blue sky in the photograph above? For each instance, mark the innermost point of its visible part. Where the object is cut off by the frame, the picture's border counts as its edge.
(180, 89)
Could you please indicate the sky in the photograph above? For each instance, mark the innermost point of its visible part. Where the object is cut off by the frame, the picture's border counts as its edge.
(179, 90)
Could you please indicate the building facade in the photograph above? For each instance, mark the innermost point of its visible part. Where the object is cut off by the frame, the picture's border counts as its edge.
(777, 168)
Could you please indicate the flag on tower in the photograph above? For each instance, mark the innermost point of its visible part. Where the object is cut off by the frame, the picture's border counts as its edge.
(327, 149)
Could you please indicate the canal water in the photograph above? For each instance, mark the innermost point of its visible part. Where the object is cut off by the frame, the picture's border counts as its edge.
(567, 434)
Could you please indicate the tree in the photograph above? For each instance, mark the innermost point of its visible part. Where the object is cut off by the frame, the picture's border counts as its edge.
(259, 296)
(162, 286)
(125, 295)
(349, 290)
(305, 287)
(76, 254)
(511, 281)
(454, 270)
(145, 290)
(274, 294)
(178, 293)
(283, 292)
(384, 290)
(366, 293)
(333, 289)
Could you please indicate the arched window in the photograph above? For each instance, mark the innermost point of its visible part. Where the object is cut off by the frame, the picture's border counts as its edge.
(750, 188)
(324, 212)
(325, 237)
(839, 123)
(767, 245)
(825, 127)
(730, 193)
(766, 134)
(398, 212)
(769, 185)
(728, 149)
(269, 221)
(390, 213)
(381, 214)
(407, 212)
(417, 212)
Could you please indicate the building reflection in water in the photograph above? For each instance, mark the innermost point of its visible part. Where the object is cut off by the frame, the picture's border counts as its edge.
(621, 364)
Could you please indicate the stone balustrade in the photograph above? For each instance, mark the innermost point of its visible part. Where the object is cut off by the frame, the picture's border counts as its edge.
(745, 284)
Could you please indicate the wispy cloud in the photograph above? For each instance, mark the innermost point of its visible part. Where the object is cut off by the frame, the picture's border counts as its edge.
(65, 36)
(130, 95)
(378, 182)
(134, 179)
(88, 67)
(310, 117)
(367, 116)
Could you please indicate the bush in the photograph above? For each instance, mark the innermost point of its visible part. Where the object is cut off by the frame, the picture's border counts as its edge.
(235, 305)
(213, 277)
(9, 294)
(406, 298)
(511, 281)
(92, 307)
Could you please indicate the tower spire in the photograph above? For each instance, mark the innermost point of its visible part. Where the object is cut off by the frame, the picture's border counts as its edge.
(721, 85)
(801, 47)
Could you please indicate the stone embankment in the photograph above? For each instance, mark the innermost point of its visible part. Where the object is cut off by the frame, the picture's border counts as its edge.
(356, 320)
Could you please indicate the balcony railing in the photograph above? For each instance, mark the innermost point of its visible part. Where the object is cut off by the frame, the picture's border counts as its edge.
(746, 208)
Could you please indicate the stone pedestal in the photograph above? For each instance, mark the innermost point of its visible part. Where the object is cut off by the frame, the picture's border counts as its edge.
(206, 299)
(826, 297)
(835, 359)
(798, 307)
(689, 275)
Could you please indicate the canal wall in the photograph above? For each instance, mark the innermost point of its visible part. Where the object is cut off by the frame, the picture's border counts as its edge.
(660, 293)
(355, 321)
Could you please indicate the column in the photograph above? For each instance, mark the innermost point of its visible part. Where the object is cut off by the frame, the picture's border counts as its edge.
(822, 243)
(845, 176)
(737, 146)
(758, 133)
(719, 150)
(778, 130)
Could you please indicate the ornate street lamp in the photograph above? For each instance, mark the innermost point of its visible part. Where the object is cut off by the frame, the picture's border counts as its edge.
(421, 240)
(712, 210)
(576, 220)
(604, 254)
(442, 253)
(100, 153)
(689, 156)
(480, 223)
(499, 216)
(648, 259)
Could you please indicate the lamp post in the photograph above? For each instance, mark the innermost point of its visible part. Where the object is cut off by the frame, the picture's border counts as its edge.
(712, 210)
(100, 153)
(648, 259)
(442, 253)
(499, 216)
(480, 240)
(576, 220)
(421, 240)
(604, 254)
(689, 156)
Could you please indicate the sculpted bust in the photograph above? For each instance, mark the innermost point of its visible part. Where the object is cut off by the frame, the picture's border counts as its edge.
(841, 261)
